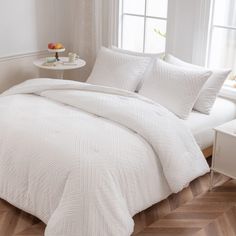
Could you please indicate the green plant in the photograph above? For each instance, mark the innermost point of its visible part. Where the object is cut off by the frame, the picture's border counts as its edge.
(158, 32)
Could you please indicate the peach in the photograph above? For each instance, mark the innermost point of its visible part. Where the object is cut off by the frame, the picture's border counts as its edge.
(58, 46)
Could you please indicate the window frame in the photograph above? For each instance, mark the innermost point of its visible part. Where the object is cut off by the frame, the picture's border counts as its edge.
(122, 14)
(211, 29)
(228, 91)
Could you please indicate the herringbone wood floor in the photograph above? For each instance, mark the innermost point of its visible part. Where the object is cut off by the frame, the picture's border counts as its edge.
(184, 214)
(210, 214)
(14, 222)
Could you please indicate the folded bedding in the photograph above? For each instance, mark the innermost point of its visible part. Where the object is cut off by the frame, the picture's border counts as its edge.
(85, 158)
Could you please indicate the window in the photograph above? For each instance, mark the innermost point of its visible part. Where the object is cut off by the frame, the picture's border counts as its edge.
(222, 43)
(143, 25)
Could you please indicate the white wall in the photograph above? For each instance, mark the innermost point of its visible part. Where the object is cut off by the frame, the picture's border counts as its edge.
(26, 26)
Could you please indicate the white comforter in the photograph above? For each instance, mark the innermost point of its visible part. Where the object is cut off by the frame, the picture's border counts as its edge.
(85, 159)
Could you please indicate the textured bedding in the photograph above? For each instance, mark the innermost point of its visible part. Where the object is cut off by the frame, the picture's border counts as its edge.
(202, 125)
(85, 159)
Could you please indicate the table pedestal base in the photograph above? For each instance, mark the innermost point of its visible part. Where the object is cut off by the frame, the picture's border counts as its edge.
(60, 74)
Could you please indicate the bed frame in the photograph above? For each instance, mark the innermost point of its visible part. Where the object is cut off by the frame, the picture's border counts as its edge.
(208, 152)
(161, 209)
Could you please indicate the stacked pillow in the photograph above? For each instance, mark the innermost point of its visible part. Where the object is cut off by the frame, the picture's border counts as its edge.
(173, 87)
(210, 89)
(177, 85)
(140, 54)
(119, 70)
(152, 56)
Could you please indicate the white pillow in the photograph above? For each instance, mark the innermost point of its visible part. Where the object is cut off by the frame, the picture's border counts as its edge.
(140, 54)
(210, 90)
(114, 69)
(173, 87)
(152, 56)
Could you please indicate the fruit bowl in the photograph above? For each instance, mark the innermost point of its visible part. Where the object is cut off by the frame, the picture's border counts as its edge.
(56, 50)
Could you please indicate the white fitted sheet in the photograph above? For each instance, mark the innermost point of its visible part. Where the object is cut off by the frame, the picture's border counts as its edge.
(202, 125)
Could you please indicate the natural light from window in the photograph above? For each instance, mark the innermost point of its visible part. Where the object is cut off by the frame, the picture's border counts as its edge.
(143, 25)
(222, 45)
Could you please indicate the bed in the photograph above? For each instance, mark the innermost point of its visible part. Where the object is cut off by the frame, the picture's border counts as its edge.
(202, 125)
(85, 159)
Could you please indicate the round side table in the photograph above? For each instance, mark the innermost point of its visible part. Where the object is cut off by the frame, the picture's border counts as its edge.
(60, 66)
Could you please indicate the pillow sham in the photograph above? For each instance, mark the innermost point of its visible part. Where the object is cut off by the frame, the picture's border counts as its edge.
(210, 90)
(173, 87)
(140, 54)
(153, 56)
(114, 69)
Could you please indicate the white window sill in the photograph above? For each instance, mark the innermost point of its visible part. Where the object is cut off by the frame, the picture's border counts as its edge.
(229, 90)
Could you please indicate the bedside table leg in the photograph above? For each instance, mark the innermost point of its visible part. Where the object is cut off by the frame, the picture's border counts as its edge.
(212, 180)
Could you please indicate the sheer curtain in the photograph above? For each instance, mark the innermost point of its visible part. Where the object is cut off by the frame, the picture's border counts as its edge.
(93, 24)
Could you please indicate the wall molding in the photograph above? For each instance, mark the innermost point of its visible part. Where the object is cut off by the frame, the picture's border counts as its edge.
(23, 55)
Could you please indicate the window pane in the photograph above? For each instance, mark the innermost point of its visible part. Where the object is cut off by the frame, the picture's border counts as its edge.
(223, 49)
(157, 8)
(134, 6)
(133, 31)
(155, 36)
(224, 12)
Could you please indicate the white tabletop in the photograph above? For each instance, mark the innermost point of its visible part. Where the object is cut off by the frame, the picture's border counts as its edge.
(59, 65)
(228, 128)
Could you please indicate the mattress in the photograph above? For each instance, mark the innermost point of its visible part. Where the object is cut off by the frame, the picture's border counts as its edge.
(202, 125)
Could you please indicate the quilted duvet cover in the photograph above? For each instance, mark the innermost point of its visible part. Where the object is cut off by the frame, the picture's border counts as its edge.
(85, 159)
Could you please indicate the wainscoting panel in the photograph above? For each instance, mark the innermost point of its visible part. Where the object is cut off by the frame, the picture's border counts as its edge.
(18, 68)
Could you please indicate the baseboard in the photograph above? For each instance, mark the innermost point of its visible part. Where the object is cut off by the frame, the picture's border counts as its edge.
(23, 55)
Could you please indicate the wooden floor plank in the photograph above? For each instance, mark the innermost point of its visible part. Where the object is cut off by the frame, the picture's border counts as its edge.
(180, 223)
